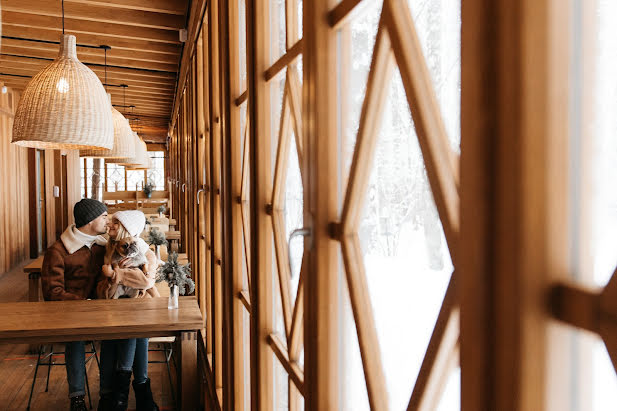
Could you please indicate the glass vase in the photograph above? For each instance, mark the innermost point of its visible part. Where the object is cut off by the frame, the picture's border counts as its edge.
(172, 302)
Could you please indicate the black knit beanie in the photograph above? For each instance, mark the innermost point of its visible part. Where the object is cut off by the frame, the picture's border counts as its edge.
(87, 210)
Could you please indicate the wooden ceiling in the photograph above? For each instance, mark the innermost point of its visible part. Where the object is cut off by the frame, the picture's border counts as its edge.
(145, 50)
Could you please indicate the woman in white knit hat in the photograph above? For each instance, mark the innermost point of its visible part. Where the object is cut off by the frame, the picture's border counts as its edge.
(120, 358)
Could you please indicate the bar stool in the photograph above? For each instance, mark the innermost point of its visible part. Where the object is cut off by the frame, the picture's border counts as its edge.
(50, 363)
(167, 350)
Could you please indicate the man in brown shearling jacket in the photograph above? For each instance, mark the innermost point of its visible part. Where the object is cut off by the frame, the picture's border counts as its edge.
(70, 269)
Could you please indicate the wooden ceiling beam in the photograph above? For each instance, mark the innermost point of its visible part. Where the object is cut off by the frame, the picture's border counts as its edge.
(159, 6)
(153, 129)
(148, 119)
(91, 39)
(117, 94)
(47, 50)
(145, 49)
(97, 13)
(15, 78)
(145, 110)
(89, 27)
(147, 107)
(89, 59)
(140, 109)
(132, 93)
(121, 74)
(162, 129)
(158, 139)
(157, 147)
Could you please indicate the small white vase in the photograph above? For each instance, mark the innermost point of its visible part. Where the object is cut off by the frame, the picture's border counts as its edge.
(172, 302)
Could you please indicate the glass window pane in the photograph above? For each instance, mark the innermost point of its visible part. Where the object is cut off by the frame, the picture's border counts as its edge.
(82, 174)
(277, 90)
(246, 355)
(156, 174)
(242, 42)
(354, 396)
(115, 177)
(294, 203)
(277, 29)
(438, 24)
(135, 180)
(300, 14)
(355, 49)
(281, 386)
(604, 165)
(406, 257)
(451, 397)
(602, 212)
(604, 383)
(277, 309)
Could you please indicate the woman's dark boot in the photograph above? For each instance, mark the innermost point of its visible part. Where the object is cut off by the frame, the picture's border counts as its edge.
(122, 385)
(143, 397)
(78, 403)
(107, 402)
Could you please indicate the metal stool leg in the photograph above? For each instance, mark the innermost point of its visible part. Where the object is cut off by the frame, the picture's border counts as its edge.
(36, 370)
(171, 385)
(51, 354)
(96, 357)
(171, 352)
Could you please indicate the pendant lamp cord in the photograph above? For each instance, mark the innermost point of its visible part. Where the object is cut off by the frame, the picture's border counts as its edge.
(62, 17)
(105, 68)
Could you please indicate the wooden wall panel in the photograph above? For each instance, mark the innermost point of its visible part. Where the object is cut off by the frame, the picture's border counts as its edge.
(14, 211)
(15, 186)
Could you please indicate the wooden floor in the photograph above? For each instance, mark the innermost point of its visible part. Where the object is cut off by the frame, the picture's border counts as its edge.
(17, 367)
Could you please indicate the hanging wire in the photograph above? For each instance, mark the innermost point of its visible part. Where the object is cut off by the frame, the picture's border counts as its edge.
(105, 67)
(63, 17)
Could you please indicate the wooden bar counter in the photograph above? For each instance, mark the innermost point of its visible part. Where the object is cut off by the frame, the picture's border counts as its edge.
(61, 321)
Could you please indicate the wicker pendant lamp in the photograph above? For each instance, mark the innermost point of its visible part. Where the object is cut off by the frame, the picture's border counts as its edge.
(133, 161)
(64, 106)
(124, 142)
(142, 159)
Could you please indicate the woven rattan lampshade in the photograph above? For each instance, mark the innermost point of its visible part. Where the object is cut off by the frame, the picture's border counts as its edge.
(142, 159)
(124, 141)
(64, 106)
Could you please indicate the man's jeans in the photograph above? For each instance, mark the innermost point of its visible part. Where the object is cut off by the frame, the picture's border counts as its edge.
(74, 357)
(123, 355)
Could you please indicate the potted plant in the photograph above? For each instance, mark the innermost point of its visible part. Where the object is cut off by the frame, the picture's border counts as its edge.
(178, 278)
(148, 189)
(156, 238)
(161, 210)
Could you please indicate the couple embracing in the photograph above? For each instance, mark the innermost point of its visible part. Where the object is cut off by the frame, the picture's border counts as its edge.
(74, 269)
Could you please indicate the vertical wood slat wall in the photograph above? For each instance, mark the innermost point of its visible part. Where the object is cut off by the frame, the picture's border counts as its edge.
(14, 203)
(17, 183)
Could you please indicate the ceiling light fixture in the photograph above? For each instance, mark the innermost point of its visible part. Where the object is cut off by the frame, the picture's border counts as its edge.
(64, 106)
(142, 159)
(124, 142)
